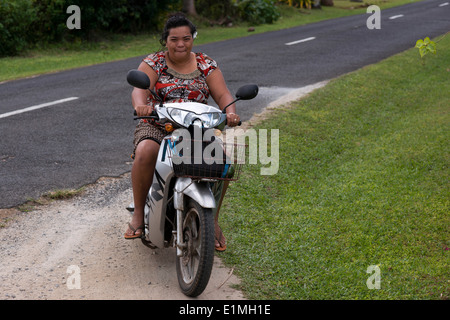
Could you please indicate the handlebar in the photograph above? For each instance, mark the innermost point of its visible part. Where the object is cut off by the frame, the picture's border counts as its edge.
(153, 115)
(156, 117)
(240, 122)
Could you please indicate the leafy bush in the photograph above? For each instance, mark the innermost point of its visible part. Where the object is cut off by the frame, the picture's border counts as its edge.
(257, 11)
(25, 23)
(50, 22)
(253, 11)
(215, 10)
(16, 18)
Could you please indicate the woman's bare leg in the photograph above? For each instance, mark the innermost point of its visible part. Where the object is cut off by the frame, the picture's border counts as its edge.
(141, 178)
(220, 239)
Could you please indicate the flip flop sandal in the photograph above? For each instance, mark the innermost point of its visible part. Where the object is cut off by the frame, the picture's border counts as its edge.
(221, 248)
(134, 235)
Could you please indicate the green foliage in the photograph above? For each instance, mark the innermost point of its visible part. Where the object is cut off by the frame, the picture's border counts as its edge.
(426, 46)
(257, 11)
(254, 12)
(25, 23)
(16, 18)
(215, 10)
(124, 15)
(50, 21)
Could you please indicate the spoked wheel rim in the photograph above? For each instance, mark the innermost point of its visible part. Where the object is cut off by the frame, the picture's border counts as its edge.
(190, 260)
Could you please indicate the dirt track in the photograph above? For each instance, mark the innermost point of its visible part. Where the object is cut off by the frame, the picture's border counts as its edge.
(39, 247)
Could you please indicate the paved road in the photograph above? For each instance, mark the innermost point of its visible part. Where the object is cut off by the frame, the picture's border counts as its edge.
(73, 143)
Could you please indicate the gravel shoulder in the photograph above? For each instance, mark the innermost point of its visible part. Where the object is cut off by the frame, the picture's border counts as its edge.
(42, 251)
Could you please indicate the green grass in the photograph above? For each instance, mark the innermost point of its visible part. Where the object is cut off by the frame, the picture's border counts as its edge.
(65, 56)
(60, 194)
(363, 180)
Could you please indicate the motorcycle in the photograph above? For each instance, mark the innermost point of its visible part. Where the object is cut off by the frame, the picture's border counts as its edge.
(188, 181)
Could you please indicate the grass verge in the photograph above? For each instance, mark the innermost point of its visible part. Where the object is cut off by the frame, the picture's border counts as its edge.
(363, 181)
(60, 194)
(64, 56)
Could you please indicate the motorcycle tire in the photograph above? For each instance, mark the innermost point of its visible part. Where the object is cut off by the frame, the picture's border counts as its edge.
(195, 265)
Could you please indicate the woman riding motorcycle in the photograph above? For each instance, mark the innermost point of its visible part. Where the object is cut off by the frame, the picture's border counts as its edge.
(177, 75)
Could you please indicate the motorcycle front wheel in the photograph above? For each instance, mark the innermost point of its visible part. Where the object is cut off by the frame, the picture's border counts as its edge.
(195, 265)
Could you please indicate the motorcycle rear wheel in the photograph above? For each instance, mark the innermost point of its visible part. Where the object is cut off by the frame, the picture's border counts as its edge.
(195, 265)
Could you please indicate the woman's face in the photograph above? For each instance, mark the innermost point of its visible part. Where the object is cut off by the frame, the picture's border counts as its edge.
(179, 43)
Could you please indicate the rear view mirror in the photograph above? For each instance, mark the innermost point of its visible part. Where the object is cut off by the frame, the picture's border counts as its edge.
(247, 92)
(138, 79)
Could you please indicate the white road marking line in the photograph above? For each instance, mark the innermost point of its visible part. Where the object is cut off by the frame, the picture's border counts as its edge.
(395, 17)
(300, 41)
(444, 4)
(39, 106)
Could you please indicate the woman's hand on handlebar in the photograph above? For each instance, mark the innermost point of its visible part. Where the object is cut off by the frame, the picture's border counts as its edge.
(143, 110)
(233, 119)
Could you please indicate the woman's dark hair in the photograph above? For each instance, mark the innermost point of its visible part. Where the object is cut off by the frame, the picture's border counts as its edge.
(176, 20)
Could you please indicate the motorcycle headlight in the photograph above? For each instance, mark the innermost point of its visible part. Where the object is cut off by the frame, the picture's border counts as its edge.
(210, 120)
(186, 118)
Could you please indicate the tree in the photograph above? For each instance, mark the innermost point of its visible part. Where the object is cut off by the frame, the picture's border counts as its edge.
(189, 7)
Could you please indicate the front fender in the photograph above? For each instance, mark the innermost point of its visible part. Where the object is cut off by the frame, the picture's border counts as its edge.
(199, 191)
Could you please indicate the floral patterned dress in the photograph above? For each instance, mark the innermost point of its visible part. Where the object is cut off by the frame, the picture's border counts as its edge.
(174, 87)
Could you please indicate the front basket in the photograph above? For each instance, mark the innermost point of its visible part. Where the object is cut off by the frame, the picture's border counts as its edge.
(214, 160)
